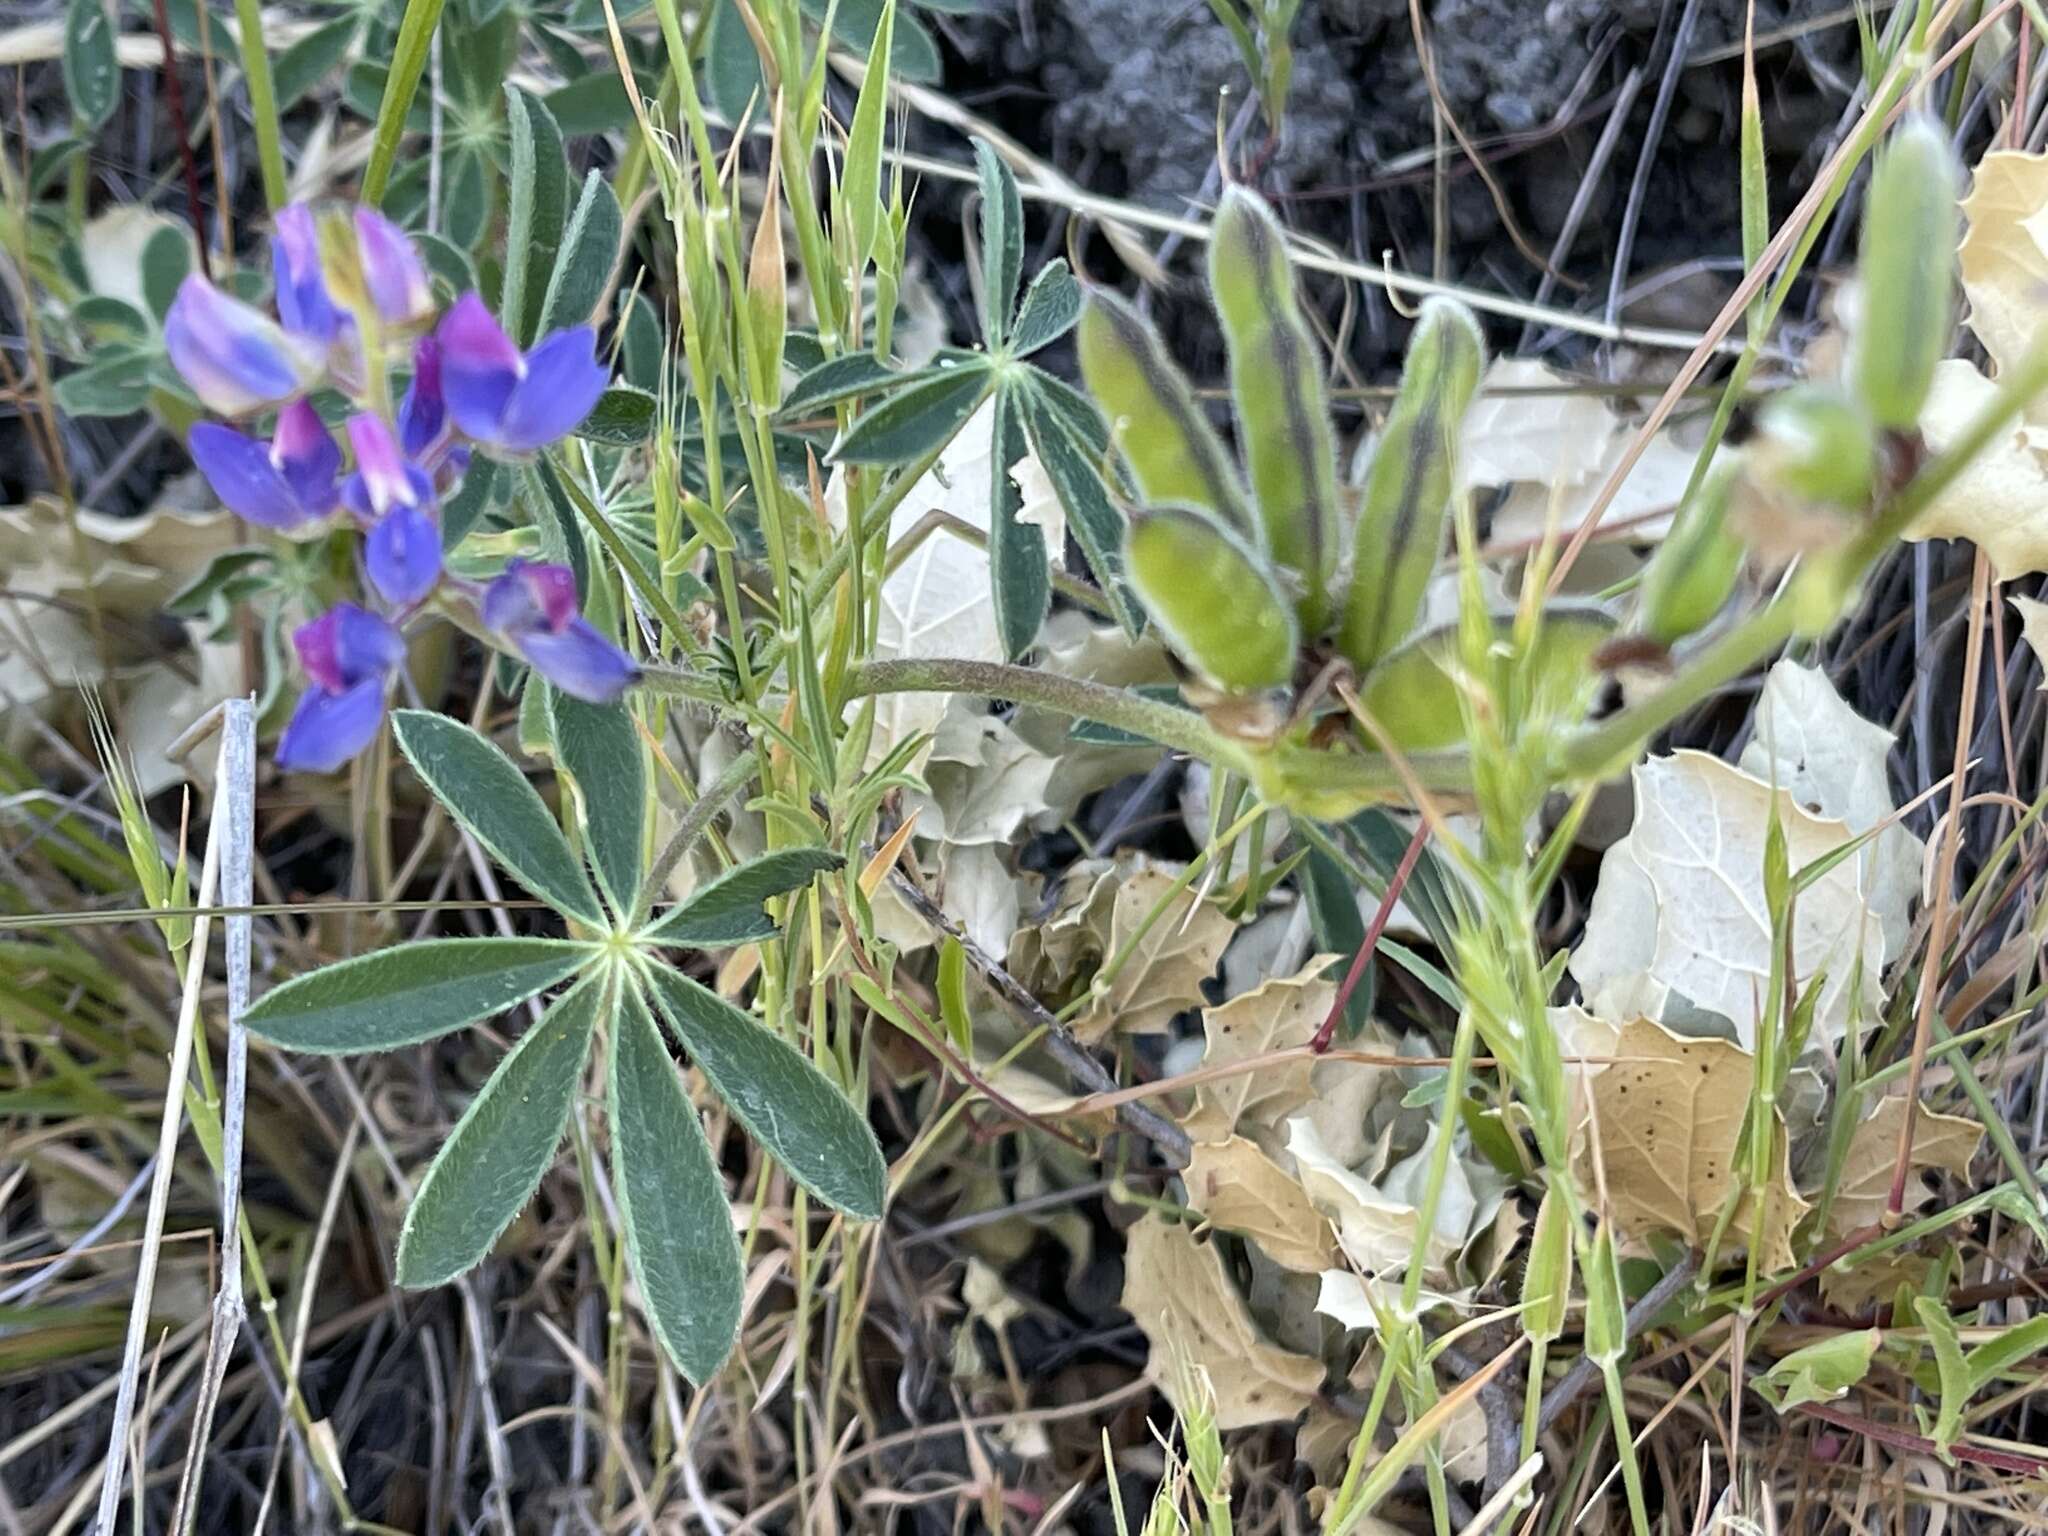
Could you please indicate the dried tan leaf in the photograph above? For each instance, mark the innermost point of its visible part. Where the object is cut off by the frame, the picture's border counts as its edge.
(1240, 1189)
(1669, 1112)
(1176, 1291)
(1280, 1013)
(1996, 501)
(2033, 629)
(1376, 1230)
(1169, 961)
(2004, 254)
(1941, 1143)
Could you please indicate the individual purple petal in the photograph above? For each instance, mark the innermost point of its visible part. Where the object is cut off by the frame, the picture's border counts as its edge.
(579, 661)
(327, 729)
(561, 382)
(392, 270)
(423, 414)
(387, 478)
(480, 367)
(403, 555)
(348, 645)
(308, 457)
(242, 475)
(236, 359)
(303, 303)
(530, 595)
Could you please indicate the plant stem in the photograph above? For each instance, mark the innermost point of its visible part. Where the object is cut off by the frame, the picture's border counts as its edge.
(262, 104)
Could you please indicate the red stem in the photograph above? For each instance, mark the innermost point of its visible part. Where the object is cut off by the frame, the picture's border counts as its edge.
(174, 98)
(1359, 961)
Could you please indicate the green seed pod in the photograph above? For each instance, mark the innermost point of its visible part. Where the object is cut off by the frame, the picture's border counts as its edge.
(1816, 444)
(1547, 1279)
(1412, 695)
(1172, 449)
(1409, 485)
(1908, 273)
(1606, 1317)
(1283, 415)
(1214, 597)
(1695, 570)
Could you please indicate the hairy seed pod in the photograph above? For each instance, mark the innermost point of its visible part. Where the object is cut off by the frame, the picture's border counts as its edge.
(1283, 415)
(1695, 569)
(1409, 485)
(1907, 271)
(1816, 444)
(1412, 695)
(1547, 1278)
(1170, 445)
(1214, 597)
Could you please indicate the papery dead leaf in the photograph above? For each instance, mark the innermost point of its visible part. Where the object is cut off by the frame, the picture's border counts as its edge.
(1277, 1015)
(1176, 1291)
(2034, 630)
(1941, 1143)
(1375, 1230)
(1996, 501)
(1669, 1115)
(985, 780)
(1238, 1188)
(1170, 955)
(1553, 438)
(1680, 911)
(2004, 255)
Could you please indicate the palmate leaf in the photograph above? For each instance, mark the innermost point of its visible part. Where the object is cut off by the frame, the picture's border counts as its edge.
(672, 1202)
(599, 746)
(482, 789)
(501, 1146)
(784, 1101)
(728, 910)
(415, 992)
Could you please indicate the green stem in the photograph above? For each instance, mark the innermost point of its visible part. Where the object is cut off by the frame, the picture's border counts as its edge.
(408, 63)
(262, 102)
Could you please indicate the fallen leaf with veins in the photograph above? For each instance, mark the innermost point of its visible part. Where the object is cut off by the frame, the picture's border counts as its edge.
(1177, 1293)
(1169, 959)
(1282, 1012)
(1238, 1188)
(1941, 1143)
(1376, 1230)
(1667, 1117)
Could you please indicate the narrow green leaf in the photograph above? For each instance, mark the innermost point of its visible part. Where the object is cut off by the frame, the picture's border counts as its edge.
(488, 1168)
(409, 993)
(2020, 1342)
(1283, 414)
(1093, 518)
(784, 1101)
(537, 190)
(92, 72)
(1002, 244)
(599, 746)
(728, 910)
(408, 63)
(1020, 581)
(488, 795)
(1952, 1370)
(860, 181)
(914, 421)
(589, 248)
(1051, 306)
(1337, 928)
(672, 1202)
(1170, 446)
(1214, 597)
(846, 378)
(1408, 488)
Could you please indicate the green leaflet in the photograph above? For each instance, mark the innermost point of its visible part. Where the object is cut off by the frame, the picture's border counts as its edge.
(1408, 488)
(1283, 415)
(785, 1102)
(410, 993)
(1051, 306)
(538, 189)
(1413, 694)
(1218, 604)
(589, 247)
(1002, 244)
(490, 797)
(728, 910)
(92, 73)
(1020, 580)
(598, 745)
(487, 1169)
(1172, 450)
(1907, 271)
(860, 183)
(917, 419)
(672, 1202)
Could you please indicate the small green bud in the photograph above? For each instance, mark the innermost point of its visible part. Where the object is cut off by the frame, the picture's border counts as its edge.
(1215, 598)
(1815, 444)
(1694, 571)
(1412, 695)
(1907, 271)
(1547, 1279)
(1409, 485)
(1606, 1316)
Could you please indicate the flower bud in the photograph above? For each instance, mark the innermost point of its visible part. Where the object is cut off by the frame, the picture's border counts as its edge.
(1695, 570)
(1219, 605)
(1815, 444)
(1907, 272)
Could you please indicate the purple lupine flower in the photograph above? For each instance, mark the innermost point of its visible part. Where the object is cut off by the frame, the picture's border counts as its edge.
(403, 550)
(392, 270)
(302, 301)
(351, 655)
(236, 358)
(286, 484)
(516, 402)
(393, 275)
(534, 607)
